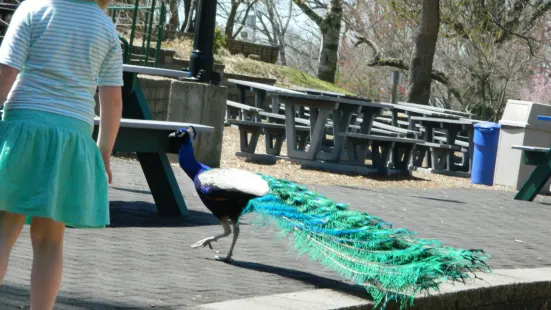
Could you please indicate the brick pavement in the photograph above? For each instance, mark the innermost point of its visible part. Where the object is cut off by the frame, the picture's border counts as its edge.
(144, 261)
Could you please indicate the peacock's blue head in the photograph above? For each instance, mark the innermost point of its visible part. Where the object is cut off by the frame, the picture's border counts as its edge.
(184, 136)
(186, 156)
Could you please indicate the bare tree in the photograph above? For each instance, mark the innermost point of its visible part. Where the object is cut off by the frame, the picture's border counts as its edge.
(274, 24)
(174, 20)
(190, 16)
(420, 67)
(486, 51)
(330, 28)
(235, 12)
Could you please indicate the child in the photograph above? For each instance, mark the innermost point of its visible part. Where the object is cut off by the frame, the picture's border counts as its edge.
(54, 56)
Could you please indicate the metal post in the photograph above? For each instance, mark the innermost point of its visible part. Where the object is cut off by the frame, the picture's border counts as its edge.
(201, 64)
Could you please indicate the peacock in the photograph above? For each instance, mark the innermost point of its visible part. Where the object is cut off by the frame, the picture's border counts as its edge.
(391, 263)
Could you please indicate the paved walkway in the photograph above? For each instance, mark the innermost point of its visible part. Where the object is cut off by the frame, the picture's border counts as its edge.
(144, 261)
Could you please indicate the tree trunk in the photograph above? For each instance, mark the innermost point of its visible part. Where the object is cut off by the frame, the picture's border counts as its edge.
(231, 19)
(420, 68)
(174, 19)
(187, 13)
(192, 15)
(331, 30)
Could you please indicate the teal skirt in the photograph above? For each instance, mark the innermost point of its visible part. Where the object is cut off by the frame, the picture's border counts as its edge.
(50, 167)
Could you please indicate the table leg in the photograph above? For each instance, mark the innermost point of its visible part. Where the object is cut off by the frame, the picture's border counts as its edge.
(469, 161)
(275, 105)
(429, 131)
(341, 121)
(259, 101)
(242, 95)
(317, 131)
(156, 166)
(451, 136)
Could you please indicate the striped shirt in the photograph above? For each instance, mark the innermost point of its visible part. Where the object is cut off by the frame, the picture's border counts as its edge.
(64, 50)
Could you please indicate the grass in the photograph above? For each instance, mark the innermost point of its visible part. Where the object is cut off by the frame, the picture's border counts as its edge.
(238, 64)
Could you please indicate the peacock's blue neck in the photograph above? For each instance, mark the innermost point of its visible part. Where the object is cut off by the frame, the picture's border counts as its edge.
(188, 163)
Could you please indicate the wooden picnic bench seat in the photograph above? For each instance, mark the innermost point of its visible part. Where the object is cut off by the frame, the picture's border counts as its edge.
(280, 119)
(439, 154)
(402, 131)
(148, 136)
(463, 144)
(274, 136)
(236, 110)
(533, 155)
(388, 120)
(539, 157)
(386, 151)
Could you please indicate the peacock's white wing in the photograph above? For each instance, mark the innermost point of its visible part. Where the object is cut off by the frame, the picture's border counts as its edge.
(231, 179)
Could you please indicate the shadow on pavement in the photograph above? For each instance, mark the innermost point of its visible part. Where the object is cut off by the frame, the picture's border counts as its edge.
(144, 214)
(17, 297)
(305, 277)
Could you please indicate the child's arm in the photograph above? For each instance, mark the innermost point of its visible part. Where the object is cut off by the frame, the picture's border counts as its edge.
(110, 99)
(7, 78)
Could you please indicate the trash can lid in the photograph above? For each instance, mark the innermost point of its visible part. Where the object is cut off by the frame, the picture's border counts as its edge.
(487, 125)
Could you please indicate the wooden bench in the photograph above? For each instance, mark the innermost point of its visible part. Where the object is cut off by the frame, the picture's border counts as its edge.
(541, 158)
(533, 155)
(236, 110)
(280, 119)
(148, 136)
(401, 131)
(386, 152)
(439, 154)
(274, 136)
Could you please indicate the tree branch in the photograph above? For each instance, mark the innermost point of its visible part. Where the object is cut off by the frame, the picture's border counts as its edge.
(436, 75)
(309, 12)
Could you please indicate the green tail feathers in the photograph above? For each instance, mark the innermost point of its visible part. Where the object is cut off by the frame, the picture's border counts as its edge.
(392, 264)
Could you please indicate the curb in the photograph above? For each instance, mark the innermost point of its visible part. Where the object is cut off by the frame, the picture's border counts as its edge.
(503, 289)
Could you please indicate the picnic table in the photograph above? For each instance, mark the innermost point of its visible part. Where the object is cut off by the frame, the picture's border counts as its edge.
(260, 91)
(437, 109)
(452, 127)
(321, 107)
(241, 111)
(149, 139)
(539, 157)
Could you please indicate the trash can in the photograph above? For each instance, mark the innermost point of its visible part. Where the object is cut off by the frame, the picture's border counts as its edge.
(520, 126)
(486, 138)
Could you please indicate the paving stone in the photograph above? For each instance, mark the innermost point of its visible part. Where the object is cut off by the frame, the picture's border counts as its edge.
(143, 260)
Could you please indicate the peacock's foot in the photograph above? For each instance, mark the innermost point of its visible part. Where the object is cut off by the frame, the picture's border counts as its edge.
(226, 259)
(203, 243)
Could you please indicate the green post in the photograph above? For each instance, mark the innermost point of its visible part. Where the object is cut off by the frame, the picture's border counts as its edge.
(149, 32)
(133, 28)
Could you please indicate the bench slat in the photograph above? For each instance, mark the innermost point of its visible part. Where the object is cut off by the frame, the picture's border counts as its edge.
(161, 125)
(241, 106)
(265, 125)
(531, 148)
(380, 138)
(282, 117)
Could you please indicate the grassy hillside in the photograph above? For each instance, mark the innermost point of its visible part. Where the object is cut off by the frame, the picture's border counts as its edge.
(238, 64)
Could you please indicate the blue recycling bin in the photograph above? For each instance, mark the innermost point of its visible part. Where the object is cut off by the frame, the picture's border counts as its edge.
(486, 138)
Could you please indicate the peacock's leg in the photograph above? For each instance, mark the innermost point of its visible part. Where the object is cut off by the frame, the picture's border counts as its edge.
(207, 241)
(227, 258)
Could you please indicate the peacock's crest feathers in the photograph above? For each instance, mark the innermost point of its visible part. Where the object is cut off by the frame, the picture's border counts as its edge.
(391, 263)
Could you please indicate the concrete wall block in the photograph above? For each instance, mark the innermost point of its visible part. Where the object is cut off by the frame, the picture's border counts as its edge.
(200, 104)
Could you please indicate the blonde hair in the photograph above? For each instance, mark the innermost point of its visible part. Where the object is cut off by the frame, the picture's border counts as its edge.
(103, 4)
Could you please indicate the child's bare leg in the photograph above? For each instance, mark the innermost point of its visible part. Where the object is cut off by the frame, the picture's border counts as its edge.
(47, 240)
(10, 228)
